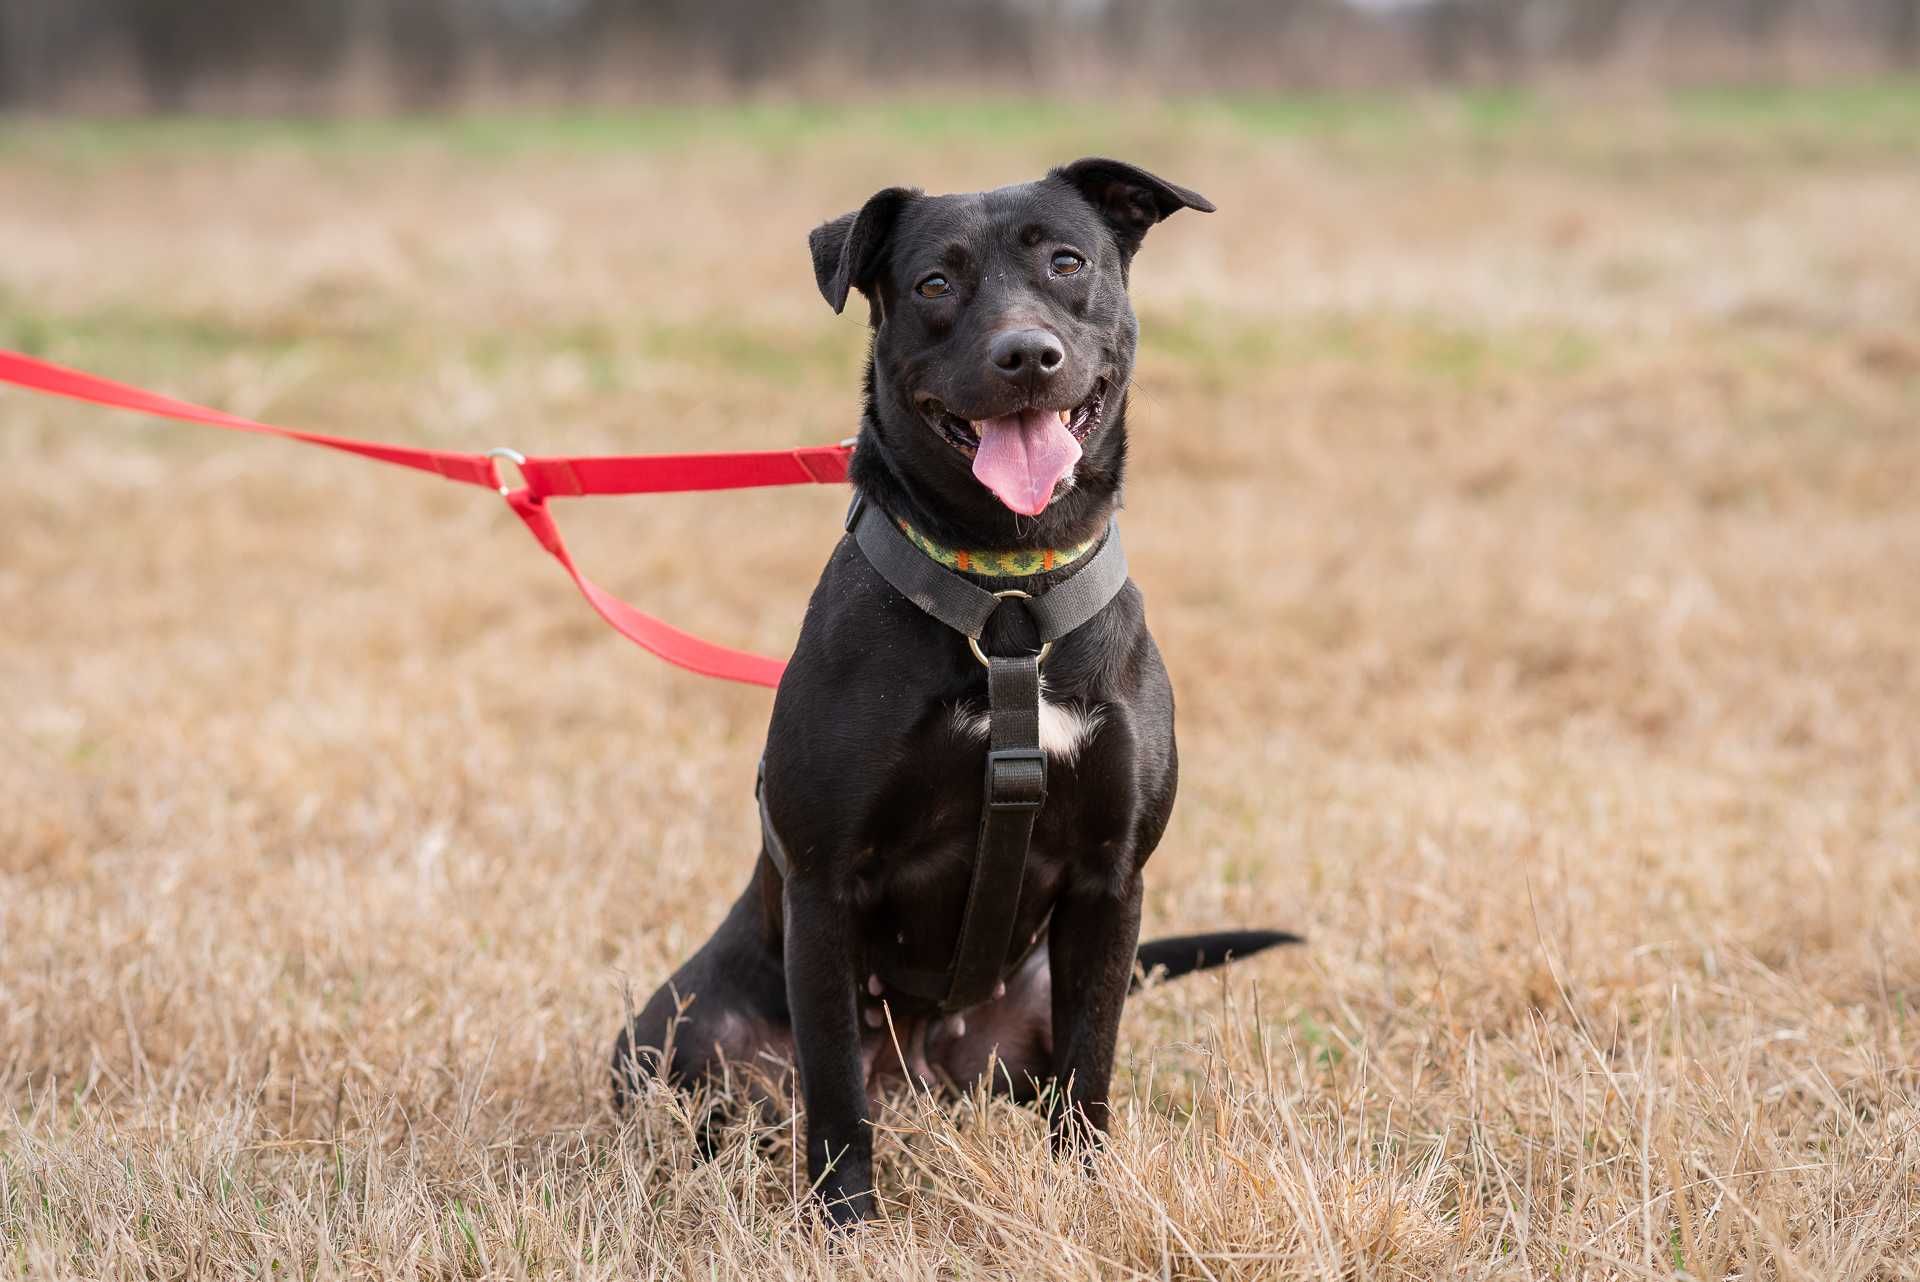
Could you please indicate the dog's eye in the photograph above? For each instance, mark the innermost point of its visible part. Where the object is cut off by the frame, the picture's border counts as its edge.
(933, 287)
(1066, 264)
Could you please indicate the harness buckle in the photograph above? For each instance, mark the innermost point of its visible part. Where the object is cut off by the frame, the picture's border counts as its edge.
(502, 454)
(973, 643)
(1016, 779)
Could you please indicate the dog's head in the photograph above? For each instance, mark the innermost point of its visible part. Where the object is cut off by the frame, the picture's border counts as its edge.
(1003, 338)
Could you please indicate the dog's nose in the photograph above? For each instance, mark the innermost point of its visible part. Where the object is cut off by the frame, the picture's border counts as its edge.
(1029, 356)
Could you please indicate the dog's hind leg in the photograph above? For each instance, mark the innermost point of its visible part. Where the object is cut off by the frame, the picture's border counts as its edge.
(723, 1012)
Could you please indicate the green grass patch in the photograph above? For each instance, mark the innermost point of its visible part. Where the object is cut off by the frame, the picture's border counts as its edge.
(775, 355)
(765, 126)
(1228, 347)
(139, 343)
(1309, 115)
(1872, 107)
(1867, 104)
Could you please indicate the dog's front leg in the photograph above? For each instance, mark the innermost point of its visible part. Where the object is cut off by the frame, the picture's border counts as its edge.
(822, 997)
(1091, 947)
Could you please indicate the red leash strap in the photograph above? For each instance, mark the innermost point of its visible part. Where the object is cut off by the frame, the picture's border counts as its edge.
(57, 380)
(544, 478)
(656, 636)
(670, 473)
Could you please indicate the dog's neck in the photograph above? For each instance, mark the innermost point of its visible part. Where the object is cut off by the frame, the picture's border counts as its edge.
(953, 509)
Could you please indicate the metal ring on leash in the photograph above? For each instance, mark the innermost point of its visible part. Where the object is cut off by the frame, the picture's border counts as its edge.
(512, 456)
(973, 643)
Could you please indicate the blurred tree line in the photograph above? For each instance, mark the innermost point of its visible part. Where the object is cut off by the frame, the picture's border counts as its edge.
(322, 55)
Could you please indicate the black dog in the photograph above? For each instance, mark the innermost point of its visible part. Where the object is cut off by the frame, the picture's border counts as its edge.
(903, 917)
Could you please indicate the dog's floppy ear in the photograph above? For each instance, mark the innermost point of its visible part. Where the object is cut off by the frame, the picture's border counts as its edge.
(1128, 197)
(846, 251)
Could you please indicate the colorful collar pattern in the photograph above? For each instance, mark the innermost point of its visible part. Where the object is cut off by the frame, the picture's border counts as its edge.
(1013, 564)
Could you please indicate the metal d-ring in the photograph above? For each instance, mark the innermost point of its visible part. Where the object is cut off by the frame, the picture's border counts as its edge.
(514, 457)
(973, 643)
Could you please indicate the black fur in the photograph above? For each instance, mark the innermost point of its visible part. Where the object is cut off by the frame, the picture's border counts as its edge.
(871, 780)
(1177, 955)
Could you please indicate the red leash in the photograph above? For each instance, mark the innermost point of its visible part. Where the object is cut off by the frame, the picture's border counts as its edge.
(543, 478)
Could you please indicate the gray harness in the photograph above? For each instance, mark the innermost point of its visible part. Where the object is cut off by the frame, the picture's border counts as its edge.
(1016, 768)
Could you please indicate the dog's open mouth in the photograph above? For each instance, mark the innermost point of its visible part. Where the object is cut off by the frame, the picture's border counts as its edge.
(1024, 456)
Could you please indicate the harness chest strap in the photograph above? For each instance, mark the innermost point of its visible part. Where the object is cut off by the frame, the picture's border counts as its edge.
(1015, 785)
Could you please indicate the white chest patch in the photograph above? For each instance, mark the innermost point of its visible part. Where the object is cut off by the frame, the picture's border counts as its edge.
(1065, 728)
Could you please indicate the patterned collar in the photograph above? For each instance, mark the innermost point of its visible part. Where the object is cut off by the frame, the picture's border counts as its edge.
(1013, 564)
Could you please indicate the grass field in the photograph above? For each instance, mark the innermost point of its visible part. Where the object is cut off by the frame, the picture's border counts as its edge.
(1527, 499)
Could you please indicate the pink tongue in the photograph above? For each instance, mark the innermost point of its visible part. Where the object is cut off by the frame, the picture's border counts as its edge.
(1023, 456)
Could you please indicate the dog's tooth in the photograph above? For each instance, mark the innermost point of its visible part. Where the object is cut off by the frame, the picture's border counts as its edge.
(875, 1017)
(1000, 989)
(1066, 416)
(874, 985)
(957, 1026)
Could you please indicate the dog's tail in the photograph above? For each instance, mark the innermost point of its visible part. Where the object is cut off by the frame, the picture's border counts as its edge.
(1183, 954)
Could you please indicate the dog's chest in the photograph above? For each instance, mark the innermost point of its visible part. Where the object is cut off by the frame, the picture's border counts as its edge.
(1066, 727)
(926, 830)
(912, 886)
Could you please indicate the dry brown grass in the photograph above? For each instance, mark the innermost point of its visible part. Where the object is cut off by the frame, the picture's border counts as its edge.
(1528, 515)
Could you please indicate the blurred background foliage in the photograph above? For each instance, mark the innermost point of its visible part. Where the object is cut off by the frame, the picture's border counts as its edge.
(360, 56)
